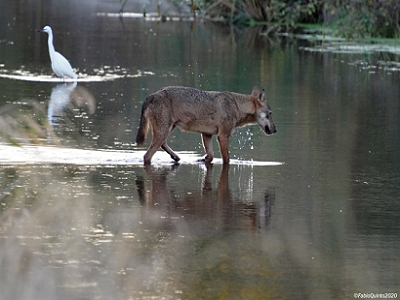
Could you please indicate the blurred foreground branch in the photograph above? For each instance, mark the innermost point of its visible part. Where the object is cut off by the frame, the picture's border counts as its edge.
(23, 121)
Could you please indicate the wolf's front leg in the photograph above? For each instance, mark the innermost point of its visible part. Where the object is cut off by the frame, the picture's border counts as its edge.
(223, 140)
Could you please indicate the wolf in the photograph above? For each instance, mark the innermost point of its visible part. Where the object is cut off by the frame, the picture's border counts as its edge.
(206, 112)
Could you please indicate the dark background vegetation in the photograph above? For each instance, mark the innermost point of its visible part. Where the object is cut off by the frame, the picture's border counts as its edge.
(350, 19)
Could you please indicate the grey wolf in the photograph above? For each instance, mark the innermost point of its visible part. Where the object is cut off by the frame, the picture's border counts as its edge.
(204, 112)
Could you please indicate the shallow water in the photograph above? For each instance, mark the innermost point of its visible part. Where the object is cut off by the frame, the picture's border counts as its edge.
(311, 212)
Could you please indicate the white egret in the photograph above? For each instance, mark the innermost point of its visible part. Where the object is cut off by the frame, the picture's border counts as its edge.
(59, 63)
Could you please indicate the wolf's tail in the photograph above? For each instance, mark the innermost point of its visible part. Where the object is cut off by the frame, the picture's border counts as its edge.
(144, 122)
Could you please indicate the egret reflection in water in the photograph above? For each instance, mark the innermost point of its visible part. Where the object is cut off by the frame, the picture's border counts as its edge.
(69, 100)
(59, 99)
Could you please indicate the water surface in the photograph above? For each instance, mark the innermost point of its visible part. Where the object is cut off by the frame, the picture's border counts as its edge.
(323, 225)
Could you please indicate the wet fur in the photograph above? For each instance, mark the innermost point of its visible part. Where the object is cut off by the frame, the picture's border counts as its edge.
(207, 113)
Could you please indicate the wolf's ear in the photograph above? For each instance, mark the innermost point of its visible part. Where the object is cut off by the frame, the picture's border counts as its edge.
(255, 92)
(261, 97)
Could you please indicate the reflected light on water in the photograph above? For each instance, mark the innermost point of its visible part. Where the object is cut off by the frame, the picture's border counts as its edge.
(59, 155)
(104, 74)
(113, 242)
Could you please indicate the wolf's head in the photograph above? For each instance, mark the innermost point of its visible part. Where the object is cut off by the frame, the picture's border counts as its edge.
(263, 113)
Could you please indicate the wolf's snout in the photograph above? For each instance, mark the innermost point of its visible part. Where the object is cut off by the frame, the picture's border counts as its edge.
(268, 131)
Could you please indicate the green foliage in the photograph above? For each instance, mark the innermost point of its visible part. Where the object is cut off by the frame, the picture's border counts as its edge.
(359, 18)
(291, 13)
(347, 18)
(285, 14)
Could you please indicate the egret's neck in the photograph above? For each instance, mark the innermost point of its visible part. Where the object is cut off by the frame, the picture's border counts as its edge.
(50, 42)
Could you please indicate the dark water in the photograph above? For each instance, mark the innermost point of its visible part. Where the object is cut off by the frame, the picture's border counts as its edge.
(324, 225)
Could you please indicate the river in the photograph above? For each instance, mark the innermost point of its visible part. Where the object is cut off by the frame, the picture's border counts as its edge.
(311, 212)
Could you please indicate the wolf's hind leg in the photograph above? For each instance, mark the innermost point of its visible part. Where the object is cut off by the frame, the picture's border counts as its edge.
(208, 148)
(167, 148)
(159, 138)
(155, 145)
(170, 151)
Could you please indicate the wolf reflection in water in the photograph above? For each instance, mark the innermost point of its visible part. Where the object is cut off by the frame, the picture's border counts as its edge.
(215, 204)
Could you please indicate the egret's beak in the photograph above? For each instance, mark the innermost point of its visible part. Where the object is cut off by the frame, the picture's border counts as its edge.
(40, 30)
